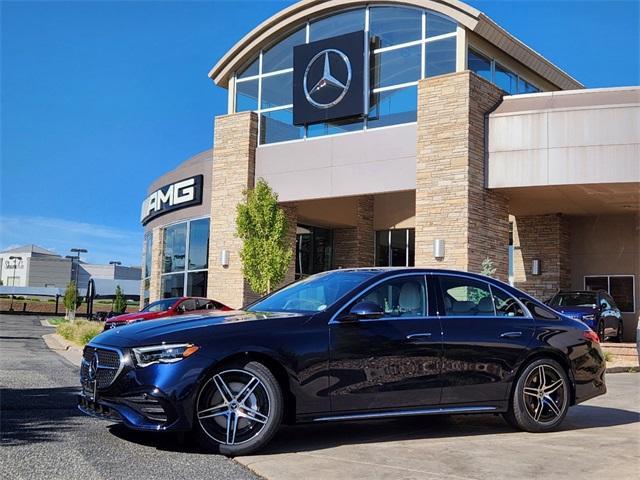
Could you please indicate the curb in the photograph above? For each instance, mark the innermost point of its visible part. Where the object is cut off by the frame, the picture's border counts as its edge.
(623, 369)
(45, 323)
(70, 351)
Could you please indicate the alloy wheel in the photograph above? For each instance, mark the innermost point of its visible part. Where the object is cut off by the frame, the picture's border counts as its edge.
(544, 394)
(233, 407)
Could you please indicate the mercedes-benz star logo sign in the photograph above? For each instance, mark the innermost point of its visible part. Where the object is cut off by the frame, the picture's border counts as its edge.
(321, 86)
(93, 368)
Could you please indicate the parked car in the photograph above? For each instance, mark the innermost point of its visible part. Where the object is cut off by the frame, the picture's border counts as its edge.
(167, 307)
(595, 308)
(346, 345)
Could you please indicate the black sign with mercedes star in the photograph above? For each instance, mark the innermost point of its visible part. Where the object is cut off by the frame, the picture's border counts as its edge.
(328, 79)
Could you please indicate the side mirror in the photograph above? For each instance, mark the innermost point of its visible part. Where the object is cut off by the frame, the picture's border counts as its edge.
(365, 310)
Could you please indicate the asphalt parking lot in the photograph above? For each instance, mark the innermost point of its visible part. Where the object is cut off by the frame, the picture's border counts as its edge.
(43, 436)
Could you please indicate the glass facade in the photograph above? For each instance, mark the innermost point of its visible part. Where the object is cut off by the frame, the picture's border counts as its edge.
(395, 248)
(620, 287)
(314, 250)
(405, 45)
(505, 79)
(146, 269)
(185, 259)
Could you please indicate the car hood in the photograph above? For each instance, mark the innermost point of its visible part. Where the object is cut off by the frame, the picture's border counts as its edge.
(182, 328)
(126, 317)
(576, 312)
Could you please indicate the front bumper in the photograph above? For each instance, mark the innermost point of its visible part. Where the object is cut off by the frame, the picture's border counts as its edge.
(159, 397)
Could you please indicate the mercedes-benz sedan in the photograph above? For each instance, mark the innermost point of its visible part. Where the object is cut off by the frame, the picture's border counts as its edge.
(346, 345)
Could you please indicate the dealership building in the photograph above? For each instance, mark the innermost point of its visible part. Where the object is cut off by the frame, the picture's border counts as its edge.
(403, 133)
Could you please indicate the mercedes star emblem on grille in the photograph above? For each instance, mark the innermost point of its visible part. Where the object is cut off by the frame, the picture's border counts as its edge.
(92, 372)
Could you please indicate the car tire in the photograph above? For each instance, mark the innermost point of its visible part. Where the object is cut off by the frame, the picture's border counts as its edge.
(540, 398)
(239, 408)
(601, 334)
(620, 332)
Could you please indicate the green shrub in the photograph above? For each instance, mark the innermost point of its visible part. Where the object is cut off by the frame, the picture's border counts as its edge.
(608, 356)
(80, 331)
(56, 320)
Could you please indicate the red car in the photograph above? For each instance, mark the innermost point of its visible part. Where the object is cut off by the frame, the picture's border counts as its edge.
(167, 307)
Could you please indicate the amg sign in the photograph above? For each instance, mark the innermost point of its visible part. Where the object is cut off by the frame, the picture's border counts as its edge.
(185, 193)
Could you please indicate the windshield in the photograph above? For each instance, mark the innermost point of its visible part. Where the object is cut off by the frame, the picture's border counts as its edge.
(159, 306)
(585, 299)
(313, 294)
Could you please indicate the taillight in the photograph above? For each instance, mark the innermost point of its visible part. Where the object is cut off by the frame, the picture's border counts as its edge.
(591, 335)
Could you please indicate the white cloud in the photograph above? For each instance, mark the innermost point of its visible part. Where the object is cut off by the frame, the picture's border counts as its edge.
(104, 243)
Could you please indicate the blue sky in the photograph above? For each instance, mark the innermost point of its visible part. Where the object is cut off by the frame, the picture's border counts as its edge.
(99, 98)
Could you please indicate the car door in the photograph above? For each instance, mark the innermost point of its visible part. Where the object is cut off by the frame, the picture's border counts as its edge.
(485, 334)
(388, 362)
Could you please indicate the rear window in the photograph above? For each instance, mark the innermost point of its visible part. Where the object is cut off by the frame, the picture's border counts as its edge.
(585, 299)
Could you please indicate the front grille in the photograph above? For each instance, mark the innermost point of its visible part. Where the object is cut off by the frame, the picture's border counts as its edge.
(108, 366)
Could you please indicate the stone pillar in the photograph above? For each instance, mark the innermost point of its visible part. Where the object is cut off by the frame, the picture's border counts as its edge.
(452, 202)
(235, 142)
(546, 238)
(291, 211)
(354, 247)
(157, 250)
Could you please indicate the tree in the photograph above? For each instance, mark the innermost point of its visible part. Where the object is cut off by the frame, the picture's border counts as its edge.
(71, 301)
(263, 226)
(488, 267)
(120, 303)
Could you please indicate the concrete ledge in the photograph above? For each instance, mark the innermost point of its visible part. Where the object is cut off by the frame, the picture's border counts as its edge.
(45, 323)
(70, 351)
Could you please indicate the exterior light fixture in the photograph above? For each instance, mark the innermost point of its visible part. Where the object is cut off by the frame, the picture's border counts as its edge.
(224, 258)
(438, 249)
(535, 266)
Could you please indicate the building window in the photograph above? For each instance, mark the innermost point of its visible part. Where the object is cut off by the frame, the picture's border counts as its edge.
(395, 248)
(146, 269)
(405, 45)
(620, 287)
(186, 259)
(491, 70)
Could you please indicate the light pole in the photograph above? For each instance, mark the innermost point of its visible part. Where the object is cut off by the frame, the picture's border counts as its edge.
(77, 251)
(13, 279)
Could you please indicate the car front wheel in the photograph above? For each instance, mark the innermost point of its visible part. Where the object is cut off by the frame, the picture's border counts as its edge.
(239, 409)
(541, 397)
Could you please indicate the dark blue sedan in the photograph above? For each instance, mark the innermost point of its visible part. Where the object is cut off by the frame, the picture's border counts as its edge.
(595, 308)
(346, 345)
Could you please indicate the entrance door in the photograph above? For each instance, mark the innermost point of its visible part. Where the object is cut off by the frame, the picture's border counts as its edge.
(389, 362)
(313, 250)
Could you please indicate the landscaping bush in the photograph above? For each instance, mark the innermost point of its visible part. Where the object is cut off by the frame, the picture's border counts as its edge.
(57, 320)
(80, 331)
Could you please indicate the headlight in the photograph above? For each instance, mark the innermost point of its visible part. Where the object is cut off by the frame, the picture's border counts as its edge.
(163, 353)
(588, 318)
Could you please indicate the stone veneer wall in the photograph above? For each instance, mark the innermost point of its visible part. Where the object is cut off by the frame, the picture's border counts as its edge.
(155, 282)
(452, 202)
(354, 247)
(291, 211)
(545, 237)
(234, 154)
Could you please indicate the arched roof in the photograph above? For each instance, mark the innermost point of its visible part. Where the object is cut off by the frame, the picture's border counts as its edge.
(470, 18)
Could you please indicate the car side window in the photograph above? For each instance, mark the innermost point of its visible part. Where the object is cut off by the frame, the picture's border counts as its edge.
(203, 304)
(506, 305)
(610, 301)
(464, 297)
(188, 305)
(399, 297)
(539, 312)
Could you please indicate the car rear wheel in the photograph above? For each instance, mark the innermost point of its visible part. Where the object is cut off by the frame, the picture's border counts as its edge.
(620, 332)
(601, 333)
(239, 409)
(541, 397)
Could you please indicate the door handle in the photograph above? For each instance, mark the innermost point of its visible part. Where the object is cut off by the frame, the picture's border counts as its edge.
(511, 335)
(418, 337)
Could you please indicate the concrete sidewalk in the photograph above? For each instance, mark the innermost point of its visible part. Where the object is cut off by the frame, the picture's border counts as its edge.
(599, 439)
